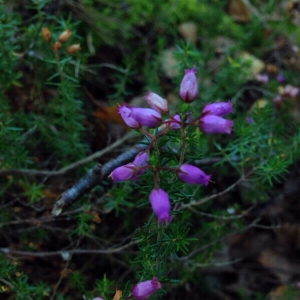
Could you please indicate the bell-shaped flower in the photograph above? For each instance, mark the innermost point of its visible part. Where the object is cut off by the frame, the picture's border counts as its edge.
(212, 124)
(123, 173)
(145, 289)
(189, 87)
(146, 116)
(125, 112)
(141, 160)
(217, 108)
(173, 124)
(156, 102)
(193, 175)
(160, 204)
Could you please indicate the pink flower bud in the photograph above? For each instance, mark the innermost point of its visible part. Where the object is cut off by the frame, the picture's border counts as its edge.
(146, 116)
(193, 175)
(125, 114)
(189, 86)
(123, 173)
(156, 102)
(212, 124)
(218, 109)
(161, 206)
(141, 159)
(174, 125)
(145, 289)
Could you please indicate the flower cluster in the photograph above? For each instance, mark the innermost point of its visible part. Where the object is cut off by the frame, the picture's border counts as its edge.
(209, 121)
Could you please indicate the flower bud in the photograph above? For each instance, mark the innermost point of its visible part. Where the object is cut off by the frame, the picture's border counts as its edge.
(124, 111)
(156, 102)
(174, 125)
(64, 36)
(193, 175)
(212, 124)
(123, 173)
(73, 48)
(218, 109)
(146, 116)
(160, 204)
(56, 46)
(46, 34)
(141, 160)
(145, 289)
(189, 86)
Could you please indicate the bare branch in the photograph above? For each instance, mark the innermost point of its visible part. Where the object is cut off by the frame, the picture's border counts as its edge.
(94, 177)
(201, 201)
(67, 253)
(71, 167)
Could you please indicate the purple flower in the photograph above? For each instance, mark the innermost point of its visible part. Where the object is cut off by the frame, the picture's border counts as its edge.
(156, 102)
(211, 124)
(141, 160)
(249, 120)
(189, 87)
(98, 298)
(193, 175)
(161, 206)
(280, 78)
(218, 109)
(125, 114)
(173, 124)
(145, 116)
(145, 289)
(123, 173)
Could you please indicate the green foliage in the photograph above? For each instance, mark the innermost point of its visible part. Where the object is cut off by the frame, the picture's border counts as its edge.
(16, 283)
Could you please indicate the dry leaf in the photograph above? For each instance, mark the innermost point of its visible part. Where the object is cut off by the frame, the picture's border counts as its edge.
(169, 63)
(238, 11)
(280, 293)
(108, 113)
(188, 30)
(277, 264)
(95, 216)
(117, 295)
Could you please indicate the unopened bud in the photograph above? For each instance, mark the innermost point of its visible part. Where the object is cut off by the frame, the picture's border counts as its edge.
(56, 46)
(46, 34)
(64, 36)
(73, 48)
